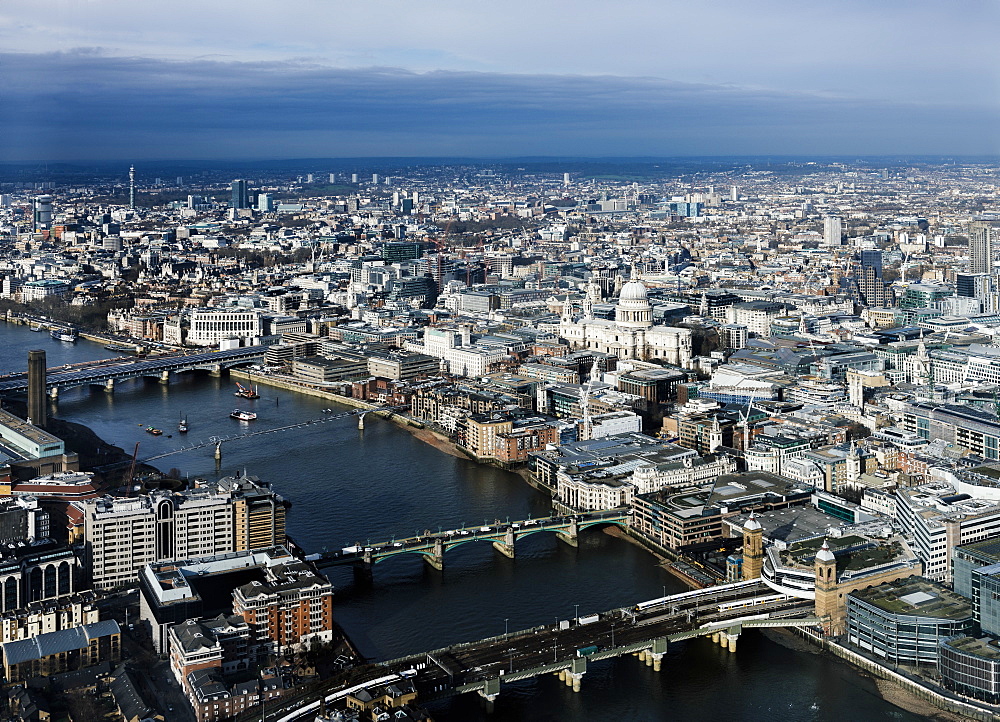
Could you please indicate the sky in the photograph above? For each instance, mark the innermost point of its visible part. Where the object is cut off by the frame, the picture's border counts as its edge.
(217, 79)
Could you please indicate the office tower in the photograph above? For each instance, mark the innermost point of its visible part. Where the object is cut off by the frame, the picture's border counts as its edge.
(978, 286)
(354, 177)
(42, 213)
(407, 206)
(566, 179)
(832, 231)
(980, 248)
(241, 198)
(131, 187)
(734, 194)
(309, 177)
(36, 388)
(374, 179)
(333, 178)
(873, 290)
(180, 181)
(872, 259)
(265, 204)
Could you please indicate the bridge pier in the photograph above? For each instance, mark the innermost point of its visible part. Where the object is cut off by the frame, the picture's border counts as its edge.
(54, 393)
(574, 675)
(570, 535)
(363, 573)
(731, 640)
(165, 377)
(361, 422)
(655, 654)
(436, 557)
(489, 693)
(215, 370)
(218, 451)
(109, 385)
(506, 547)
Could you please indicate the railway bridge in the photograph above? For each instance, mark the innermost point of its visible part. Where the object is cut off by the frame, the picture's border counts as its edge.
(107, 372)
(566, 649)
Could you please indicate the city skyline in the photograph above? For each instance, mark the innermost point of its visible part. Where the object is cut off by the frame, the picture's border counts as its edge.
(113, 81)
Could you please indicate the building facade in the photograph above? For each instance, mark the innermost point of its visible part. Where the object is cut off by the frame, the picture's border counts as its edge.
(632, 335)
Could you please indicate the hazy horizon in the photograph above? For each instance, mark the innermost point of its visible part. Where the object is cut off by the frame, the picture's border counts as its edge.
(118, 80)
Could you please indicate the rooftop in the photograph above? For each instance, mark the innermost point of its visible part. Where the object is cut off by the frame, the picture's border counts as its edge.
(984, 647)
(29, 431)
(917, 597)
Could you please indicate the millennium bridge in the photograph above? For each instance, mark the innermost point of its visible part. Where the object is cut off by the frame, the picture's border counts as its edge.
(431, 546)
(106, 373)
(568, 648)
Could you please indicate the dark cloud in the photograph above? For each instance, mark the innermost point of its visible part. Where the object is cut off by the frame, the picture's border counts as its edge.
(87, 105)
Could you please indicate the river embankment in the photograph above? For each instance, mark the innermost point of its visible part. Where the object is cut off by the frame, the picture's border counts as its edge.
(890, 690)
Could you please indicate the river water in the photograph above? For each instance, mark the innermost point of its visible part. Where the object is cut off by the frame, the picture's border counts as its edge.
(348, 486)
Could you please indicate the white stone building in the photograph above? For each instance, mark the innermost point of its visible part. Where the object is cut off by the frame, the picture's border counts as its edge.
(632, 335)
(209, 326)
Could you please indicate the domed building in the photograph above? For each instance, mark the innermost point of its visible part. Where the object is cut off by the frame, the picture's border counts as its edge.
(632, 335)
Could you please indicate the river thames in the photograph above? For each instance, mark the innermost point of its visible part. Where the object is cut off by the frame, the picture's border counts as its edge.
(348, 486)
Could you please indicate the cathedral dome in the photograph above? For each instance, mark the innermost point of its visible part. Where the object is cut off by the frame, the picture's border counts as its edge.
(633, 291)
(633, 309)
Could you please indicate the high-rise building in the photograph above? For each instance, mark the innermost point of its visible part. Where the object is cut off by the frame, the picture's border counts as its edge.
(42, 215)
(980, 248)
(374, 179)
(734, 194)
(241, 199)
(978, 286)
(874, 291)
(832, 231)
(872, 259)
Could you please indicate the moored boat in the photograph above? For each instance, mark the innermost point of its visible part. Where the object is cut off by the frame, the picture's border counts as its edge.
(246, 392)
(64, 334)
(182, 426)
(241, 415)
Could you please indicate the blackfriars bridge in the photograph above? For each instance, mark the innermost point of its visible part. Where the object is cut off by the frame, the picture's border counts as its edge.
(431, 546)
(105, 373)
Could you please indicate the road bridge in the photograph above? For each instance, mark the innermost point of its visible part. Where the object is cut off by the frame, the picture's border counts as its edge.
(431, 546)
(566, 649)
(106, 373)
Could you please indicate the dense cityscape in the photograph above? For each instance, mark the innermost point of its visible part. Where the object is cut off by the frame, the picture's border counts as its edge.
(776, 378)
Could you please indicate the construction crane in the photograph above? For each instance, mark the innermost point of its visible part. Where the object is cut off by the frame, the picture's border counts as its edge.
(131, 471)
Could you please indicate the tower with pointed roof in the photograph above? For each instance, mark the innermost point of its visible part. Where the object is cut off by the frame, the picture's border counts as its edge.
(753, 548)
(829, 607)
(714, 436)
